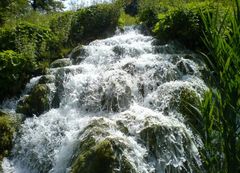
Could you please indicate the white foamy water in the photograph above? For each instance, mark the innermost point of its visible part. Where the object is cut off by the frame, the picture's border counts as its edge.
(127, 80)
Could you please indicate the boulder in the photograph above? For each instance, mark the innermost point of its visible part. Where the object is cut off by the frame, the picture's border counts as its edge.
(97, 156)
(36, 103)
(78, 54)
(60, 63)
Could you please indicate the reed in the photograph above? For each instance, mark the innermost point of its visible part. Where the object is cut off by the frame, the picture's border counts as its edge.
(221, 106)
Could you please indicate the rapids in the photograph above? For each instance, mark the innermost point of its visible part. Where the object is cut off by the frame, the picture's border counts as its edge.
(128, 80)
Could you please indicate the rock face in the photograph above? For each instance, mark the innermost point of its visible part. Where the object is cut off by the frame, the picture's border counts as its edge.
(36, 103)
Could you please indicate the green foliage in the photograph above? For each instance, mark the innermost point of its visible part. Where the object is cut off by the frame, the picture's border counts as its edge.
(24, 38)
(60, 26)
(12, 8)
(50, 5)
(92, 22)
(15, 70)
(7, 129)
(183, 24)
(221, 108)
(126, 20)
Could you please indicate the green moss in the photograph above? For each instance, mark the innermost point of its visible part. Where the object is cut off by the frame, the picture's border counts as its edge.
(36, 103)
(7, 129)
(93, 156)
(98, 158)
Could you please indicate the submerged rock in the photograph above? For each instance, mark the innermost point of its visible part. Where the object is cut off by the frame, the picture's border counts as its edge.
(36, 103)
(170, 146)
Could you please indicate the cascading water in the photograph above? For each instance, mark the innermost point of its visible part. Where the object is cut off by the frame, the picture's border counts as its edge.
(125, 90)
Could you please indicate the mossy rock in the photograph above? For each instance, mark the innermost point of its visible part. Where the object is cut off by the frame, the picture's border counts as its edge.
(78, 54)
(8, 125)
(36, 103)
(60, 63)
(98, 156)
(184, 67)
(46, 79)
(188, 104)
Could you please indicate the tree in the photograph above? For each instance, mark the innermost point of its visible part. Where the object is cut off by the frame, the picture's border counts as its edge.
(46, 5)
(10, 8)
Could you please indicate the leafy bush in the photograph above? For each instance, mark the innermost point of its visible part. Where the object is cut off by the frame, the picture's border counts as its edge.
(60, 26)
(24, 35)
(15, 70)
(92, 22)
(183, 24)
(7, 129)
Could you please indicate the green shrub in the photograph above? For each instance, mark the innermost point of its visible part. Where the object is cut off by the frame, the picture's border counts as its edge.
(92, 22)
(183, 24)
(15, 70)
(24, 35)
(7, 129)
(60, 27)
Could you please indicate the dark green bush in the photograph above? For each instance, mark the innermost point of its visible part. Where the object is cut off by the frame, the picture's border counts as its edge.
(7, 129)
(26, 35)
(60, 26)
(183, 24)
(15, 70)
(92, 22)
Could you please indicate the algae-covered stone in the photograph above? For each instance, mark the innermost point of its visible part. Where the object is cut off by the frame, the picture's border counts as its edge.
(60, 63)
(8, 125)
(189, 102)
(47, 79)
(98, 153)
(36, 103)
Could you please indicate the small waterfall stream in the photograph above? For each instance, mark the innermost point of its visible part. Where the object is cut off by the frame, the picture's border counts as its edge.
(125, 89)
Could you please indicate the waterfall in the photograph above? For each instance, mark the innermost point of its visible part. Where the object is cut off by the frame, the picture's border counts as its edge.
(123, 91)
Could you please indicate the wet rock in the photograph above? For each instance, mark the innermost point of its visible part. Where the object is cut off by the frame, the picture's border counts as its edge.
(98, 156)
(169, 144)
(78, 54)
(129, 68)
(36, 103)
(185, 68)
(122, 127)
(188, 104)
(47, 79)
(60, 63)
(165, 73)
(118, 50)
(115, 101)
